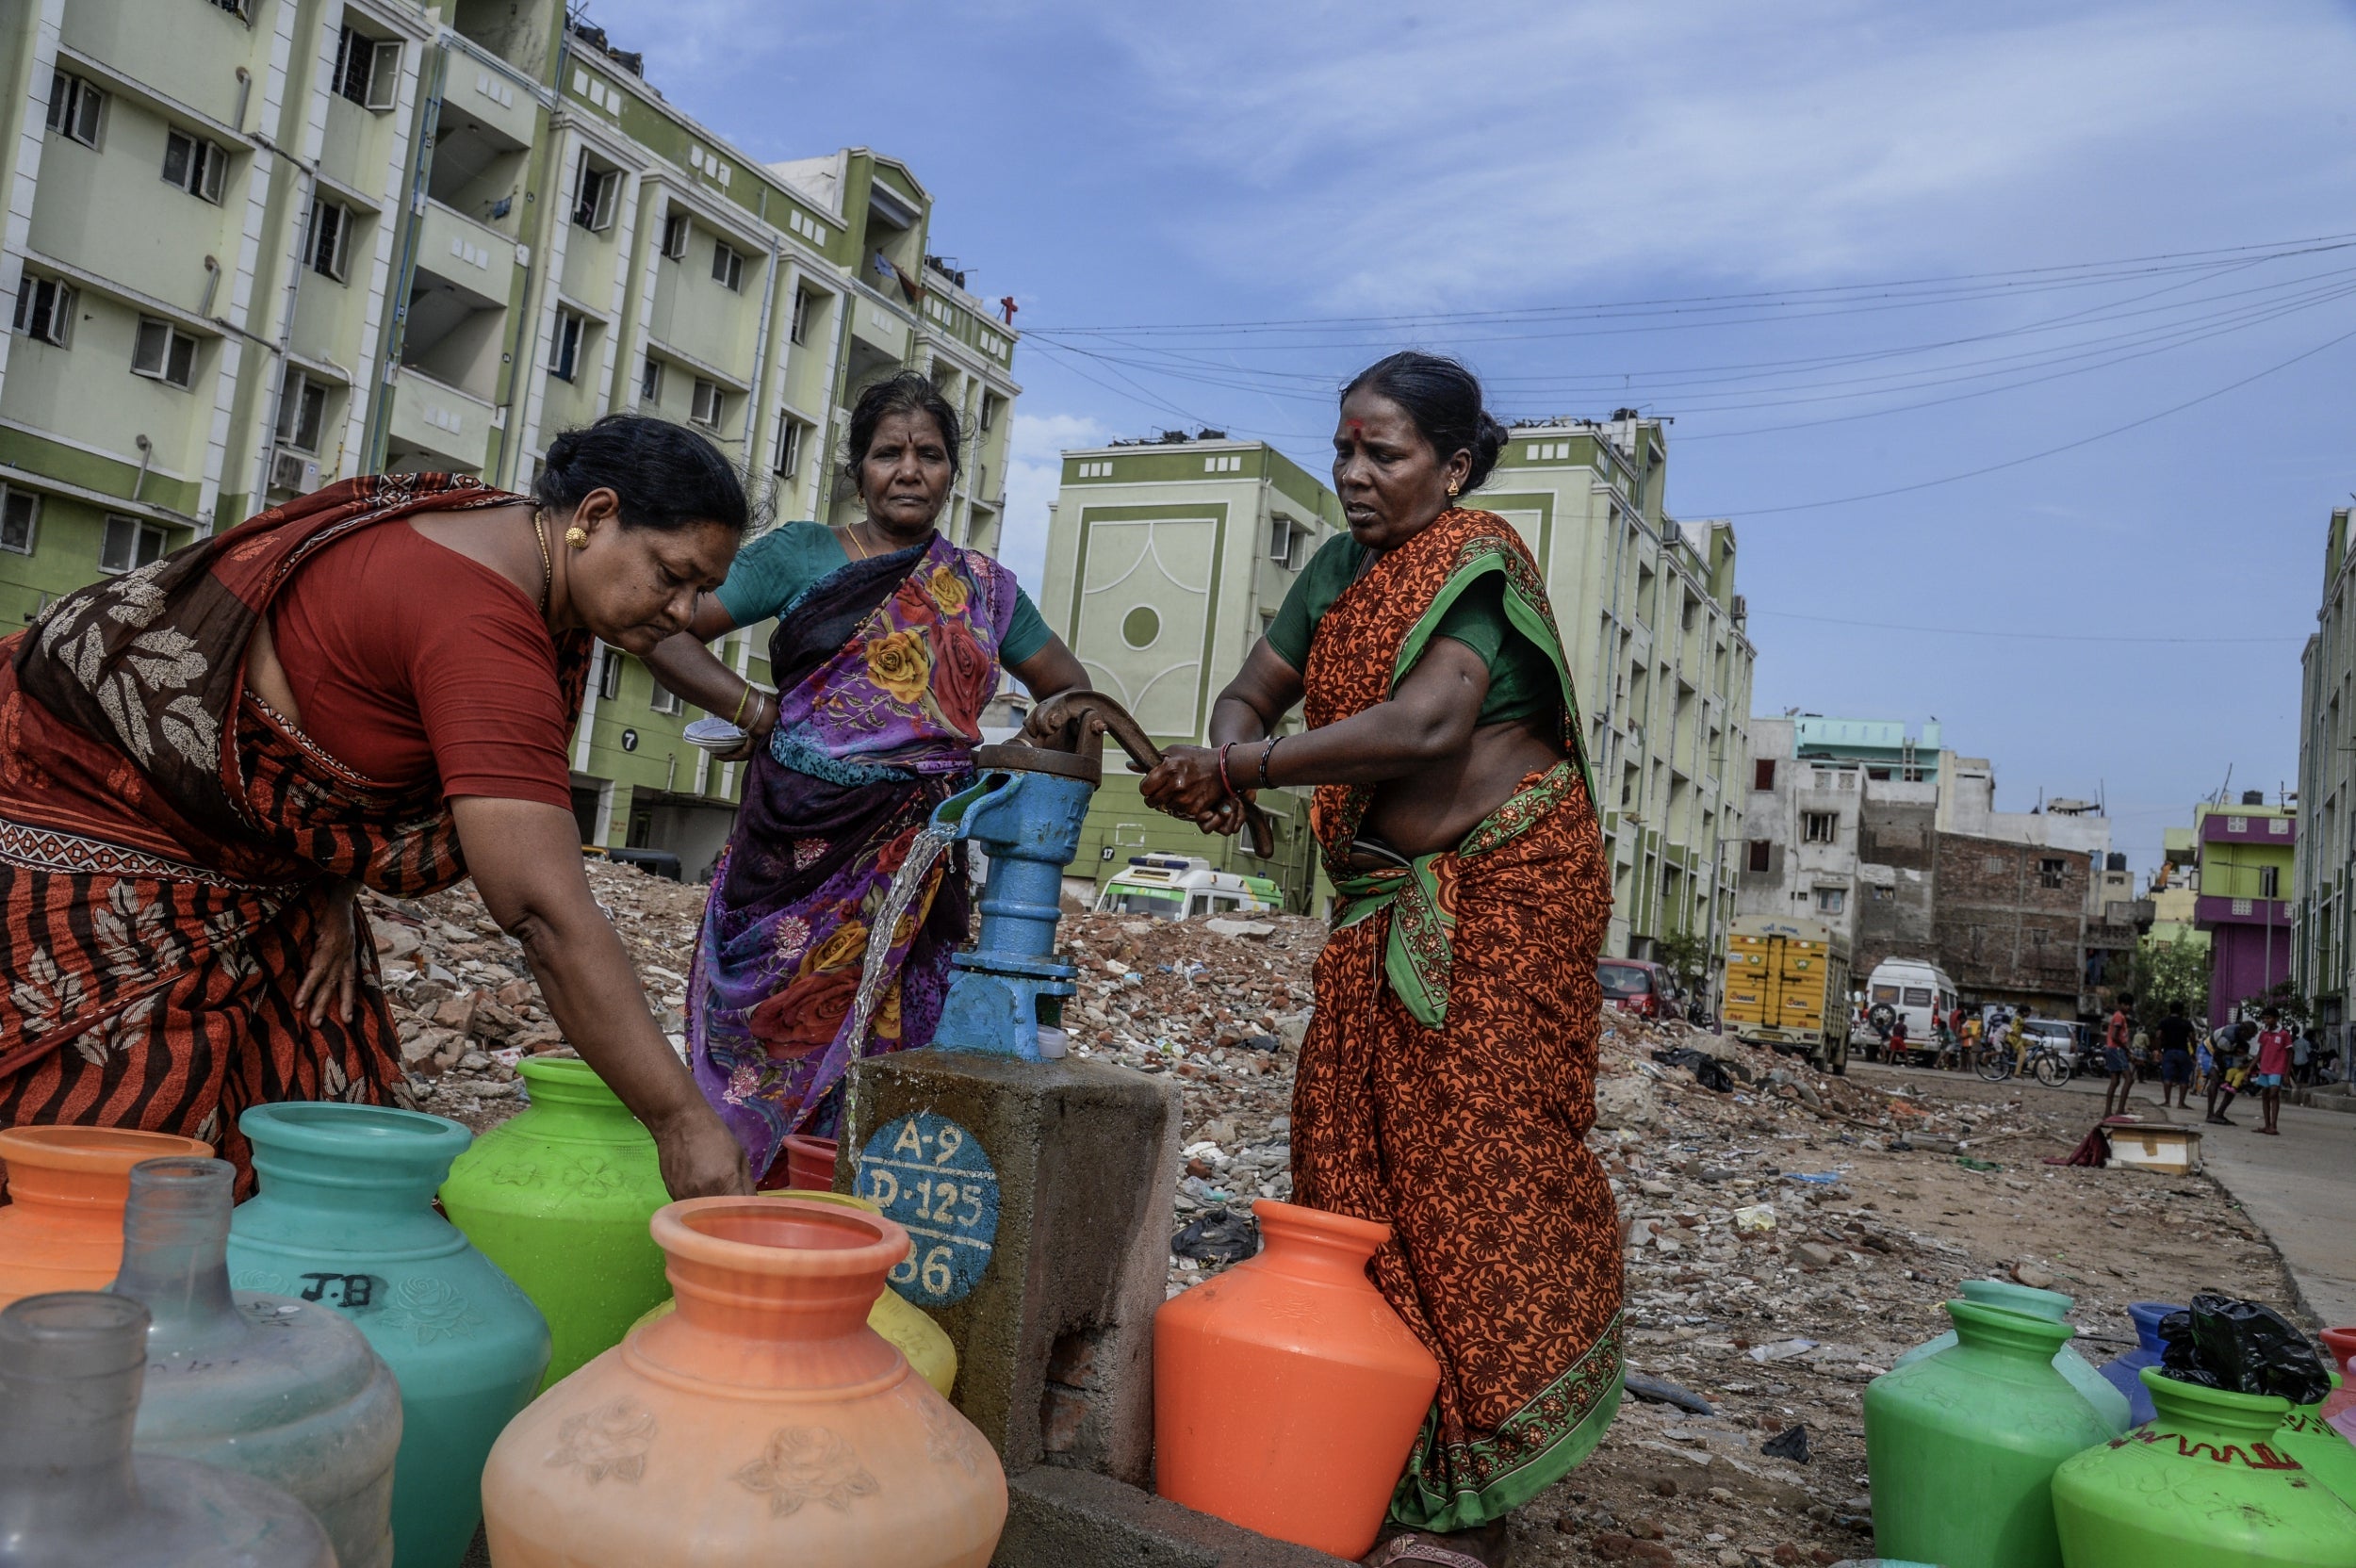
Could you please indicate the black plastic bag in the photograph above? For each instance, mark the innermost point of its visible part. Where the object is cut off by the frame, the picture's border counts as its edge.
(1222, 1238)
(1791, 1445)
(2243, 1347)
(1707, 1071)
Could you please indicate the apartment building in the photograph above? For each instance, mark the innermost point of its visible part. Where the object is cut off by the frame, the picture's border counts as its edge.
(1877, 829)
(253, 247)
(1166, 560)
(2325, 874)
(2241, 863)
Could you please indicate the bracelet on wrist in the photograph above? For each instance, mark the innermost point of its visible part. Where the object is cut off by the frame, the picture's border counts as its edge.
(743, 697)
(1267, 749)
(1224, 782)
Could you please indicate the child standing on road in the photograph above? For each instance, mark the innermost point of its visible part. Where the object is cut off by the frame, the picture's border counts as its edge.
(2117, 1062)
(2274, 1065)
(2176, 1055)
(2225, 1046)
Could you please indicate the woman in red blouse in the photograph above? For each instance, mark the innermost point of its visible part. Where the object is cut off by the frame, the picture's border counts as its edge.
(204, 760)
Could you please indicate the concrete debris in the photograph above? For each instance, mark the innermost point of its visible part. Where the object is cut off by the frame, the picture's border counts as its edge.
(464, 1001)
(1783, 1242)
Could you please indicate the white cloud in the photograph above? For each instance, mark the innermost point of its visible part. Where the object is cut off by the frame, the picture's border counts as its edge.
(1505, 150)
(1035, 449)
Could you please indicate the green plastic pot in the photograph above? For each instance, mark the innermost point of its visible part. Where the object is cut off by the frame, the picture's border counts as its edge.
(2320, 1448)
(559, 1197)
(2054, 1306)
(1962, 1445)
(2202, 1484)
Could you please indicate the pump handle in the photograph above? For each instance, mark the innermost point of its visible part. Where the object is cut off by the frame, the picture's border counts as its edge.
(1078, 720)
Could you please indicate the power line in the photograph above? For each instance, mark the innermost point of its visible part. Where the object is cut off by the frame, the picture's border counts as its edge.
(2029, 457)
(2008, 636)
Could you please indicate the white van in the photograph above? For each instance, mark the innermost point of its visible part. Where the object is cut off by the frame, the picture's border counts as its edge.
(1911, 989)
(1176, 887)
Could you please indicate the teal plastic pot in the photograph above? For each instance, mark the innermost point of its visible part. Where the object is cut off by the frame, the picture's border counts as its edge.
(2053, 1305)
(1961, 1445)
(345, 1217)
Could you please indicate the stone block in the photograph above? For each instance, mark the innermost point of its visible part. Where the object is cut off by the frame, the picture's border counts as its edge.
(1061, 1518)
(1054, 1341)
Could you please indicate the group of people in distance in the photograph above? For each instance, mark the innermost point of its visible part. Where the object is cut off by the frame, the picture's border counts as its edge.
(204, 760)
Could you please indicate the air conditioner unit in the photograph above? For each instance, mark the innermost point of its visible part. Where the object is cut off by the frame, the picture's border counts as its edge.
(1671, 535)
(1741, 608)
(293, 471)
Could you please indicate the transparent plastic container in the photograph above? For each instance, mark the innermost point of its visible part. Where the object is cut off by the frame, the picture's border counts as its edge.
(279, 1388)
(73, 1492)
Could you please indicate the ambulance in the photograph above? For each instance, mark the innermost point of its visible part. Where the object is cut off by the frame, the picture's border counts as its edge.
(1787, 986)
(1183, 887)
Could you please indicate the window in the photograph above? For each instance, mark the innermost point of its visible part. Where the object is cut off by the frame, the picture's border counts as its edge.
(368, 70)
(193, 164)
(664, 701)
(610, 674)
(74, 107)
(129, 545)
(1283, 543)
(1820, 827)
(804, 307)
(330, 239)
(1763, 854)
(20, 517)
(566, 366)
(1763, 774)
(593, 193)
(710, 405)
(302, 411)
(1884, 892)
(1829, 900)
(674, 231)
(163, 352)
(650, 381)
(44, 309)
(235, 7)
(1992, 864)
(2269, 882)
(2049, 872)
(989, 412)
(789, 461)
(728, 268)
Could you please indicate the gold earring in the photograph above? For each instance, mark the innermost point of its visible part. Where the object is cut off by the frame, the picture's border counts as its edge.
(578, 536)
(1452, 489)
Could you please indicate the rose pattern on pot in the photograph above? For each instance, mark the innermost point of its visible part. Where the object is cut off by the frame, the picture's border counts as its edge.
(432, 1309)
(809, 1464)
(949, 1438)
(611, 1440)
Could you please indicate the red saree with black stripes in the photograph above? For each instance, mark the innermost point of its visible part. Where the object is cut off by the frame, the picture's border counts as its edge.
(169, 844)
(1446, 1084)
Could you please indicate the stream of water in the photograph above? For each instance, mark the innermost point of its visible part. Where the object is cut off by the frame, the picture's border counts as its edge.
(926, 848)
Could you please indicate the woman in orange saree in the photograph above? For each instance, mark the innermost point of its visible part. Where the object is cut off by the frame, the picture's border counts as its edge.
(1446, 1084)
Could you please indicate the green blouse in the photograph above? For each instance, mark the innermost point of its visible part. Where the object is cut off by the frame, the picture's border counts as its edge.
(1522, 680)
(773, 569)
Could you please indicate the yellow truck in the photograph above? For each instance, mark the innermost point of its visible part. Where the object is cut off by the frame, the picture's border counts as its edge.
(1787, 987)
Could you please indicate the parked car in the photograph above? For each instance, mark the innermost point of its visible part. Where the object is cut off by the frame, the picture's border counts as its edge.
(1641, 987)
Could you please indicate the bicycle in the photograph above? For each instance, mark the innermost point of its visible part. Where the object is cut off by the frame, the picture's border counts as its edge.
(2052, 1067)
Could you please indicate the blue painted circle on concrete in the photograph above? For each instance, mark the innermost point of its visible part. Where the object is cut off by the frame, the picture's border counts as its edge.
(930, 1175)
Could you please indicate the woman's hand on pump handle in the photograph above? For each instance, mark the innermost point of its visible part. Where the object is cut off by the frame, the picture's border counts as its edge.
(1187, 783)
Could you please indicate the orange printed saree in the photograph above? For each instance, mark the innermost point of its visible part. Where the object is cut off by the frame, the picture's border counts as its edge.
(1446, 1084)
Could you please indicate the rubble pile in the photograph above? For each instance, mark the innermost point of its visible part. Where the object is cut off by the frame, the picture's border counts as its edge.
(1786, 1235)
(467, 1006)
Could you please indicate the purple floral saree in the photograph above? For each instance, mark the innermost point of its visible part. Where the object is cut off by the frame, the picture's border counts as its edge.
(882, 668)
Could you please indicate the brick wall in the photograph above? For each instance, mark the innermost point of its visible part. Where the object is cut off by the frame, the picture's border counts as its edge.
(2010, 921)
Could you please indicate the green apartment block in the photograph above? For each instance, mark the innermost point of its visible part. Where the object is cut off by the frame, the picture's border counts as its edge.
(256, 246)
(1165, 561)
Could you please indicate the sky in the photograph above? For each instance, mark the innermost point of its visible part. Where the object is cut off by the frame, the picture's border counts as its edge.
(2017, 340)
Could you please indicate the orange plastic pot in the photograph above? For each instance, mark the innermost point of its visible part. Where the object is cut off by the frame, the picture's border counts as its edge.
(2339, 1408)
(62, 1228)
(810, 1162)
(1286, 1392)
(762, 1422)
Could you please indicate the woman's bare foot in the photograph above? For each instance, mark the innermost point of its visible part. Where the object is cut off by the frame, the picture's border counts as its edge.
(1487, 1547)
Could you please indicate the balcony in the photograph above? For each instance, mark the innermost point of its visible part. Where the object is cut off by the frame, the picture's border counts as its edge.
(2213, 910)
(436, 425)
(473, 260)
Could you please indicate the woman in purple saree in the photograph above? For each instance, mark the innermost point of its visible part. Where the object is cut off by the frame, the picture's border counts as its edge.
(889, 641)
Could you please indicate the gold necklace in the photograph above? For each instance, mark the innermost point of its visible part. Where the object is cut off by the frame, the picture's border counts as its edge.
(548, 563)
(852, 535)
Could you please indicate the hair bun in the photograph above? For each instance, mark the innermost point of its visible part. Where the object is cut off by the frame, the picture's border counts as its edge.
(1488, 445)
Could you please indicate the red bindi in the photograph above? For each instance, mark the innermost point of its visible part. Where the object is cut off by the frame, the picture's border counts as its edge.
(1358, 428)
